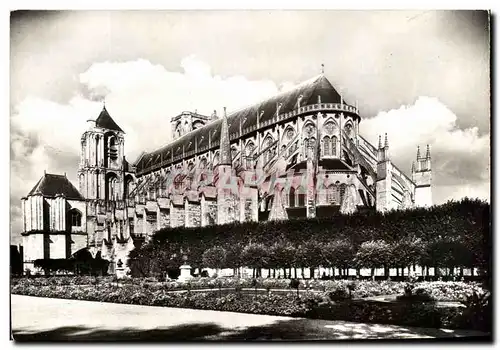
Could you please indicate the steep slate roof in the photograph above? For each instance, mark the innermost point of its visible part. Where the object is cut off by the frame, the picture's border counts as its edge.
(50, 185)
(310, 90)
(105, 121)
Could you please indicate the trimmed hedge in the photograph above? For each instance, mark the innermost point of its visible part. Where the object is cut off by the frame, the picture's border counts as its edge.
(454, 234)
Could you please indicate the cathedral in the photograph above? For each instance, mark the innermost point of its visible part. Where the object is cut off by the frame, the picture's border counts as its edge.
(298, 154)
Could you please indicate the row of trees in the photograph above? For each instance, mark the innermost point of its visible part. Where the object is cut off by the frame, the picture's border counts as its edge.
(339, 254)
(455, 234)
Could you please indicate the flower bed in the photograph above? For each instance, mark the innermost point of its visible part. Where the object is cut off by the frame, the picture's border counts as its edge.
(310, 304)
(438, 291)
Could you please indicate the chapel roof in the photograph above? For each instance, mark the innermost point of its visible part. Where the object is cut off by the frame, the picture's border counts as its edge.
(106, 122)
(51, 185)
(311, 90)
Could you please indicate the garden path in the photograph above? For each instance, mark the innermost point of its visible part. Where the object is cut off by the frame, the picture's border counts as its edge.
(45, 319)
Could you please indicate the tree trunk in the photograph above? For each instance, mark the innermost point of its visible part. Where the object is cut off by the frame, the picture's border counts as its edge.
(295, 272)
(386, 272)
(311, 272)
(253, 272)
(302, 273)
(333, 272)
(274, 273)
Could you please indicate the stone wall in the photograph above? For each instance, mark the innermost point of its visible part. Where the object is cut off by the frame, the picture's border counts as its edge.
(176, 216)
(58, 246)
(164, 218)
(193, 214)
(209, 212)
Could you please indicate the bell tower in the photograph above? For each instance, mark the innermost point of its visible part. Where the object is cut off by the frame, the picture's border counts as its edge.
(101, 159)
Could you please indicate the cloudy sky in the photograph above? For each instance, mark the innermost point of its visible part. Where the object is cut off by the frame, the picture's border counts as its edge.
(422, 77)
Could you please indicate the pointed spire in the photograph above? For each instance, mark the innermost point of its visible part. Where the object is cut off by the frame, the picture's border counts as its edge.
(428, 153)
(418, 152)
(379, 142)
(225, 148)
(386, 142)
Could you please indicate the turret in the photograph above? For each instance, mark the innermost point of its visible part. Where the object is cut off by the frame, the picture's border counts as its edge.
(422, 177)
(384, 177)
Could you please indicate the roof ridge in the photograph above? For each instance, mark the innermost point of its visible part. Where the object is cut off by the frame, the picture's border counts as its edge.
(230, 115)
(280, 93)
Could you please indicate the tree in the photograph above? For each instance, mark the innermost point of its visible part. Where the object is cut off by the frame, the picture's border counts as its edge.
(448, 252)
(339, 253)
(214, 258)
(233, 257)
(406, 252)
(283, 255)
(256, 256)
(373, 254)
(310, 254)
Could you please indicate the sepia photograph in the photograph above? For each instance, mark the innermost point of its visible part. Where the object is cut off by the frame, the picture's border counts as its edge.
(250, 175)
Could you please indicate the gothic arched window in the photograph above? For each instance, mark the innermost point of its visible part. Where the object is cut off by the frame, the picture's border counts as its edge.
(269, 150)
(249, 149)
(76, 218)
(111, 187)
(291, 202)
(301, 197)
(326, 146)
(334, 145)
(348, 130)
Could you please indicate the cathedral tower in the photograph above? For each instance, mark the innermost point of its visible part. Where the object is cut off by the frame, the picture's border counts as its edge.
(104, 179)
(100, 175)
(422, 176)
(187, 122)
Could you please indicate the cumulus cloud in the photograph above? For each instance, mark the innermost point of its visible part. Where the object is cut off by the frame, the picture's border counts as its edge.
(139, 95)
(460, 157)
(142, 97)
